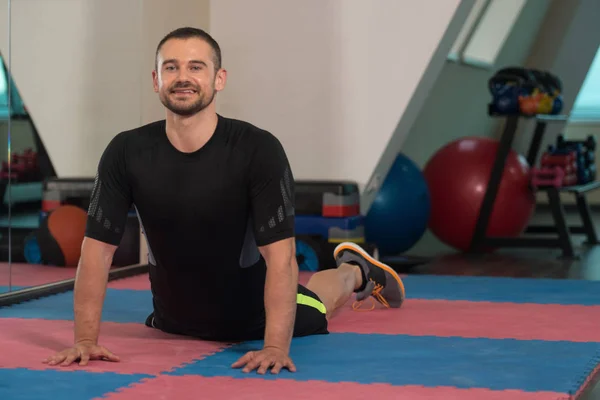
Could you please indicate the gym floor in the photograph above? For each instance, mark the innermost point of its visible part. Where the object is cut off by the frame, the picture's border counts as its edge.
(452, 328)
(517, 262)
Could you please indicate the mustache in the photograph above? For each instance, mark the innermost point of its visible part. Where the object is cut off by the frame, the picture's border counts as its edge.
(183, 85)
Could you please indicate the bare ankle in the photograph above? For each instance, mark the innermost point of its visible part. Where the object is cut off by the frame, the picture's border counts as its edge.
(355, 272)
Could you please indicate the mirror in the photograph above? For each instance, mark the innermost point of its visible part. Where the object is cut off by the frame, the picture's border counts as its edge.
(24, 167)
(74, 84)
(5, 121)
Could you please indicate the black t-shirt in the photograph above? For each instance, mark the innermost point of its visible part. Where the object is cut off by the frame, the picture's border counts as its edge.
(204, 215)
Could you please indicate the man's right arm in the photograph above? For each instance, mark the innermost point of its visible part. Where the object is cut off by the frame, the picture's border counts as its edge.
(90, 288)
(110, 203)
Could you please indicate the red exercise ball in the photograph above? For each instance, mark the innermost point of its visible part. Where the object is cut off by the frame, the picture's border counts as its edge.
(61, 234)
(458, 175)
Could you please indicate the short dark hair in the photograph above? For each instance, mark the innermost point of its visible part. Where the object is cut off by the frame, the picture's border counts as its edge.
(188, 33)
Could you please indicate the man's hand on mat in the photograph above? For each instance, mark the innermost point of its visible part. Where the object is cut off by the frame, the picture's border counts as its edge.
(269, 357)
(83, 351)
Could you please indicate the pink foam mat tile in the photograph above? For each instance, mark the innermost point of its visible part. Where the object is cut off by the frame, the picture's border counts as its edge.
(474, 319)
(253, 388)
(22, 274)
(142, 282)
(143, 350)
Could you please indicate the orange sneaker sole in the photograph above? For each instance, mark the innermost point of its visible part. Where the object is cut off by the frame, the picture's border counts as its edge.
(358, 249)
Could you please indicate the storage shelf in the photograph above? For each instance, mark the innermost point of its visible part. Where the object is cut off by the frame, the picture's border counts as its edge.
(562, 232)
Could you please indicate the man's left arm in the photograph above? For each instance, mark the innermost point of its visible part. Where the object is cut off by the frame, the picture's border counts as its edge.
(271, 194)
(281, 290)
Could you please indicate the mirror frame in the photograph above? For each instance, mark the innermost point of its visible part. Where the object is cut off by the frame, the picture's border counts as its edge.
(36, 292)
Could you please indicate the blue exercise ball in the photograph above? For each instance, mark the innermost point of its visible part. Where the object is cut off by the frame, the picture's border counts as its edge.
(399, 214)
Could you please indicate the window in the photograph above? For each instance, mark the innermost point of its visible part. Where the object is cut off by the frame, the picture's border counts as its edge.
(587, 104)
(467, 29)
(484, 32)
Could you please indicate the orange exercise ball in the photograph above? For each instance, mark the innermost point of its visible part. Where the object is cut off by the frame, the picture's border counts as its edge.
(61, 234)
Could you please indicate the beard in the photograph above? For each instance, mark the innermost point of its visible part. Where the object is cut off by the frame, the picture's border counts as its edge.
(186, 108)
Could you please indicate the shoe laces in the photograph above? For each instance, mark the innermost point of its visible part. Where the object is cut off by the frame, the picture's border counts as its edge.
(376, 293)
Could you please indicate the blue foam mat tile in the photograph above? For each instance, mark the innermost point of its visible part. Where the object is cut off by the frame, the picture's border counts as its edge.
(422, 360)
(500, 289)
(123, 306)
(21, 383)
(540, 291)
(7, 289)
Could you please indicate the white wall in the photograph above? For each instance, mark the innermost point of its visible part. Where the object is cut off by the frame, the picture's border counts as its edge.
(76, 66)
(158, 18)
(83, 68)
(331, 79)
(4, 25)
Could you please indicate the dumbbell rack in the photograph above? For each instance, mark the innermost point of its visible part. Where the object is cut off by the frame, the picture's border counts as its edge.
(562, 239)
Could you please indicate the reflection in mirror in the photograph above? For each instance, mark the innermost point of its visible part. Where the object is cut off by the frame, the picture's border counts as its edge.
(5, 122)
(24, 167)
(5, 278)
(66, 110)
(45, 215)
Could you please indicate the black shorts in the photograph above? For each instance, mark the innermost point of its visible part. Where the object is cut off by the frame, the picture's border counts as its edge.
(311, 315)
(311, 319)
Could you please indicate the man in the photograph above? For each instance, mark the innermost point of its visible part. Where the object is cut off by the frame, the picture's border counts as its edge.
(215, 197)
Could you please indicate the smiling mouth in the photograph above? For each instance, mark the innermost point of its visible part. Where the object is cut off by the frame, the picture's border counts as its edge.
(184, 91)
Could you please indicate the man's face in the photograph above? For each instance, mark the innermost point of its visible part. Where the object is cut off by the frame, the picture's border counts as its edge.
(186, 80)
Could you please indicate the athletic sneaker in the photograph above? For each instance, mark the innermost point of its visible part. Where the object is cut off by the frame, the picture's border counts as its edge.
(379, 280)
